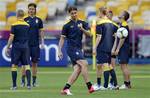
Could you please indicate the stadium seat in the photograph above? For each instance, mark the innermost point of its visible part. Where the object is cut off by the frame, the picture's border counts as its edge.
(61, 6)
(80, 2)
(11, 14)
(11, 20)
(52, 10)
(99, 4)
(81, 14)
(22, 5)
(71, 2)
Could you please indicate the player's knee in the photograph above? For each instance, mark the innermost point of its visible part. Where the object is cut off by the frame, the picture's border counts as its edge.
(106, 67)
(27, 67)
(99, 67)
(14, 67)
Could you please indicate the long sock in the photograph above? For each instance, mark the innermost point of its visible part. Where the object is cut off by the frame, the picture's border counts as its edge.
(34, 79)
(111, 81)
(67, 86)
(23, 78)
(14, 78)
(28, 75)
(113, 76)
(106, 78)
(99, 81)
(89, 84)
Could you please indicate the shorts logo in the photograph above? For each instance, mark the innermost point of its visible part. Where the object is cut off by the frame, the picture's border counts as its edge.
(71, 26)
(36, 21)
(77, 53)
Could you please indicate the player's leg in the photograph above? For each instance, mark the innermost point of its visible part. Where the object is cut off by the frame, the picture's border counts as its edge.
(113, 63)
(25, 62)
(23, 76)
(73, 77)
(113, 81)
(126, 75)
(35, 55)
(14, 76)
(99, 72)
(15, 57)
(123, 59)
(84, 71)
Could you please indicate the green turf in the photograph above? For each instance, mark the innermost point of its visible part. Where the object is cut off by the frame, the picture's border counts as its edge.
(51, 81)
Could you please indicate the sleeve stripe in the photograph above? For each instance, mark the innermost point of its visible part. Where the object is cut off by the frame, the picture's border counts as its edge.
(63, 35)
(11, 34)
(98, 34)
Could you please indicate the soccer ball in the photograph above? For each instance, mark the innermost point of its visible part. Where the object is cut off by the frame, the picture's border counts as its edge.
(122, 32)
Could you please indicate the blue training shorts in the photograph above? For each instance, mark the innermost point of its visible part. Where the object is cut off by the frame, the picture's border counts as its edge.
(75, 54)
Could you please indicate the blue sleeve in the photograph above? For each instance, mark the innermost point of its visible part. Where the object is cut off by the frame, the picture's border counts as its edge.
(99, 29)
(12, 30)
(40, 24)
(64, 30)
(115, 29)
(86, 26)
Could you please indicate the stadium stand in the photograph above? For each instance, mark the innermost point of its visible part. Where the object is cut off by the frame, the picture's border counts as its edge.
(54, 14)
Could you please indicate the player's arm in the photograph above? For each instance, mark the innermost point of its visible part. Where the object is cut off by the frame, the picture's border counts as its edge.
(121, 42)
(85, 29)
(60, 45)
(114, 45)
(61, 41)
(41, 33)
(11, 38)
(42, 36)
(98, 38)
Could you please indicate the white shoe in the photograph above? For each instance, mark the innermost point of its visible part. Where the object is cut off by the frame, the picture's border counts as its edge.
(99, 87)
(66, 92)
(13, 88)
(96, 87)
(114, 88)
(103, 88)
(123, 87)
(110, 86)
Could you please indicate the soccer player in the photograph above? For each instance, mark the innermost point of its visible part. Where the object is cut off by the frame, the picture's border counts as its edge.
(122, 50)
(20, 50)
(105, 30)
(73, 31)
(35, 36)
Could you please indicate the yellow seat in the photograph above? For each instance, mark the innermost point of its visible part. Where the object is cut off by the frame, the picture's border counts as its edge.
(146, 7)
(99, 4)
(2, 15)
(145, 3)
(11, 20)
(138, 20)
(136, 14)
(42, 13)
(11, 6)
(81, 15)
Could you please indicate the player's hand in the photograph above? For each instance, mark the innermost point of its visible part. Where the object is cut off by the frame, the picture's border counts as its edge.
(94, 51)
(116, 52)
(7, 51)
(80, 26)
(60, 55)
(112, 52)
(42, 46)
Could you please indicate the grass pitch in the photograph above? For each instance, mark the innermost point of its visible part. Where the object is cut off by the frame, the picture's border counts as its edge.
(52, 80)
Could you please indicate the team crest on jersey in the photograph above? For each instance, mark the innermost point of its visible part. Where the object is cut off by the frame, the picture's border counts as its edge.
(77, 53)
(71, 26)
(36, 20)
